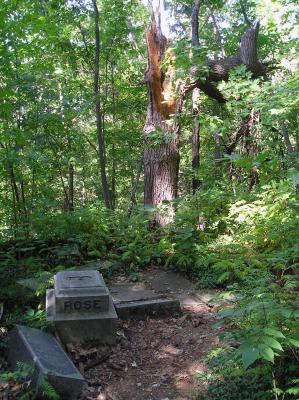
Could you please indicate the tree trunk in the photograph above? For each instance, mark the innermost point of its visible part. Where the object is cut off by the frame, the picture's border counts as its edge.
(134, 188)
(286, 137)
(161, 154)
(195, 140)
(98, 110)
(244, 132)
(71, 188)
(195, 101)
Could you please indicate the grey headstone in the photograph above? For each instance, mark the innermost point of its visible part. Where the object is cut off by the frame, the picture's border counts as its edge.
(82, 291)
(81, 307)
(81, 327)
(43, 352)
(67, 254)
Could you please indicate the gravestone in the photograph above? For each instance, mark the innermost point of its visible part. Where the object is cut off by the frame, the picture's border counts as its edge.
(45, 355)
(81, 307)
(135, 301)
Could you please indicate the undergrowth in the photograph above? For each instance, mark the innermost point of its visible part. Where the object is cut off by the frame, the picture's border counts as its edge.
(246, 244)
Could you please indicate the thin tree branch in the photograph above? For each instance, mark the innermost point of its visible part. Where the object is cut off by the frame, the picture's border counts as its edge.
(243, 9)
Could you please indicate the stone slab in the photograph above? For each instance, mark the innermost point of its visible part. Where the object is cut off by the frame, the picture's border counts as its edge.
(43, 352)
(82, 291)
(77, 327)
(178, 286)
(126, 292)
(135, 301)
(144, 308)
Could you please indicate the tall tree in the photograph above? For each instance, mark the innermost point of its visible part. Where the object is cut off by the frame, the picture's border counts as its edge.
(161, 154)
(98, 109)
(195, 101)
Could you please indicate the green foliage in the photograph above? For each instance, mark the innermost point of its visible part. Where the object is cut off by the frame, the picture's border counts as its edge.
(22, 372)
(133, 241)
(226, 235)
(35, 319)
(47, 390)
(21, 378)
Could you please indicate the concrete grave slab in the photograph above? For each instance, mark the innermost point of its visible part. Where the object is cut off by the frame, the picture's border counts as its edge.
(137, 302)
(178, 286)
(126, 292)
(144, 308)
(43, 352)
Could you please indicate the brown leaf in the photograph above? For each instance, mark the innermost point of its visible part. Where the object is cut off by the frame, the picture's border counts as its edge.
(81, 367)
(98, 360)
(196, 321)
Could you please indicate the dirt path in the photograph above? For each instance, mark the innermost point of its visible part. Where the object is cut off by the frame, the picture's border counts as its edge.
(155, 359)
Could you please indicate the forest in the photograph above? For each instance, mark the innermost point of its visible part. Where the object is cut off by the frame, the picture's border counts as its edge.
(156, 135)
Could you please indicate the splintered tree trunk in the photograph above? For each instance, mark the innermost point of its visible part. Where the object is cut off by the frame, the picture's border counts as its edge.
(161, 154)
(219, 70)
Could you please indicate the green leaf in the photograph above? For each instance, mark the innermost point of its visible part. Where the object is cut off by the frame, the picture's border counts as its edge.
(30, 312)
(294, 391)
(266, 352)
(294, 342)
(269, 341)
(249, 354)
(274, 332)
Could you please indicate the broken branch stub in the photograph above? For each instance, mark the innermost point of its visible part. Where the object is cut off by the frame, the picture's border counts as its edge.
(219, 70)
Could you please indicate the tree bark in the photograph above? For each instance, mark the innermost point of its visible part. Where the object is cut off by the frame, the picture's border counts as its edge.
(161, 154)
(71, 188)
(134, 188)
(220, 69)
(98, 109)
(286, 137)
(244, 132)
(195, 101)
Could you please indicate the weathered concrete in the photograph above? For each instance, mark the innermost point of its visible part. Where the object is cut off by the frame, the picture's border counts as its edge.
(126, 292)
(176, 285)
(82, 291)
(137, 302)
(81, 307)
(78, 327)
(43, 352)
(144, 308)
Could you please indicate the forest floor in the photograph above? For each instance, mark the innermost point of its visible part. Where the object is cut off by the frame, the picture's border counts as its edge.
(156, 358)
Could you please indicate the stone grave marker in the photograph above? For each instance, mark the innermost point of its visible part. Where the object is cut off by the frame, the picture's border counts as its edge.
(45, 355)
(81, 307)
(135, 301)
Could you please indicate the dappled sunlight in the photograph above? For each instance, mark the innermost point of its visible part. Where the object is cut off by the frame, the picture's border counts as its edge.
(168, 351)
(149, 156)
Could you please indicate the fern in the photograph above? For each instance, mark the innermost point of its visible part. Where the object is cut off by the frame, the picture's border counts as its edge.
(48, 390)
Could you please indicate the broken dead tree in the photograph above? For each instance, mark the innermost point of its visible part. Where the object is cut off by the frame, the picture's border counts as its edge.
(219, 70)
(161, 154)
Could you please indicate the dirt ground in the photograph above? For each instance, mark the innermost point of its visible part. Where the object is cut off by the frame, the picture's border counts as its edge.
(155, 359)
